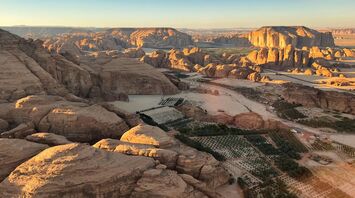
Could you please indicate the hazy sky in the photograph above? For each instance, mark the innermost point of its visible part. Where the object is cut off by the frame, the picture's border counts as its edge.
(178, 13)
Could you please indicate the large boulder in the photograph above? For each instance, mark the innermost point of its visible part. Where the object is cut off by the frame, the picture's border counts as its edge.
(150, 135)
(76, 121)
(164, 183)
(164, 156)
(75, 170)
(157, 58)
(134, 53)
(14, 152)
(50, 139)
(202, 166)
(248, 121)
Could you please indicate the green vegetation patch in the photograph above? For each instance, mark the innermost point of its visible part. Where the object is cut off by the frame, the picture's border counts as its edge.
(215, 130)
(342, 125)
(287, 110)
(192, 143)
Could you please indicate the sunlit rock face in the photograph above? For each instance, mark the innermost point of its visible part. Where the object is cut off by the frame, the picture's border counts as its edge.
(117, 39)
(160, 38)
(13, 152)
(150, 141)
(298, 36)
(76, 170)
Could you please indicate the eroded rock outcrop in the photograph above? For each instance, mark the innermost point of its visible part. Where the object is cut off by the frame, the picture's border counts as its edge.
(164, 183)
(50, 139)
(13, 152)
(76, 170)
(76, 121)
(150, 135)
(281, 36)
(160, 38)
(312, 97)
(164, 156)
(93, 75)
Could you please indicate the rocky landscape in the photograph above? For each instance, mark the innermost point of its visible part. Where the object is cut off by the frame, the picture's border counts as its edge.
(117, 39)
(80, 114)
(90, 77)
(52, 109)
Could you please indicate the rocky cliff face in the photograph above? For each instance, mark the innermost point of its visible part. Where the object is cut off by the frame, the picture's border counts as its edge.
(291, 56)
(281, 36)
(39, 111)
(160, 38)
(308, 96)
(42, 72)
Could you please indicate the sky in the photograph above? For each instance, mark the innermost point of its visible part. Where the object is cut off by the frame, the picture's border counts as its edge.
(178, 13)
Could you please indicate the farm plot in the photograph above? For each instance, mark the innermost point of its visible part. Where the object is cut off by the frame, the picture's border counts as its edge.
(282, 137)
(240, 153)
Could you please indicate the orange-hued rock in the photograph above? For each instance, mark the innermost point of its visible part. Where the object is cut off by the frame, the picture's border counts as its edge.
(308, 72)
(157, 58)
(255, 76)
(150, 135)
(164, 156)
(48, 138)
(349, 52)
(76, 170)
(160, 38)
(13, 152)
(248, 121)
(281, 36)
(273, 56)
(240, 73)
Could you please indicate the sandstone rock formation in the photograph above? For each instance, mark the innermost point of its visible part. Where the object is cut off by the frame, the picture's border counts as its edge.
(160, 38)
(96, 77)
(234, 40)
(13, 152)
(146, 134)
(164, 156)
(281, 36)
(134, 53)
(82, 122)
(75, 170)
(130, 76)
(50, 139)
(150, 141)
(312, 97)
(278, 58)
(164, 183)
(117, 39)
